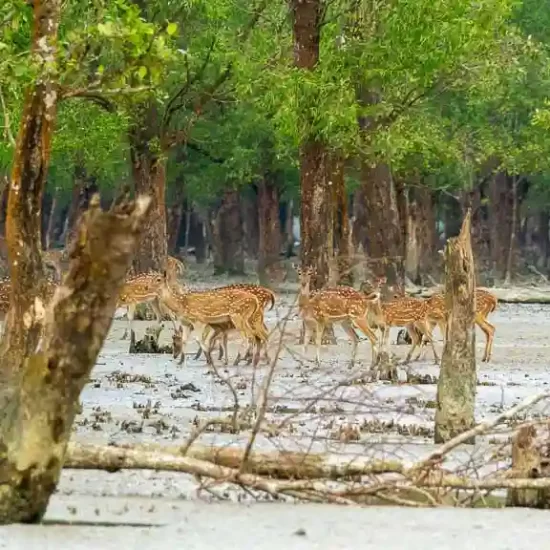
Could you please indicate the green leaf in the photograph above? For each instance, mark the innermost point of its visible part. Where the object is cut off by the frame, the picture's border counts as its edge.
(142, 72)
(172, 28)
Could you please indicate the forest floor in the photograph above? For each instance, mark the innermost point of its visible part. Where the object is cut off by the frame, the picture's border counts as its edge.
(149, 398)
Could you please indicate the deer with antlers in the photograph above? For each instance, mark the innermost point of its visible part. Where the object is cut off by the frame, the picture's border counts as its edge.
(199, 309)
(342, 305)
(401, 311)
(221, 331)
(144, 288)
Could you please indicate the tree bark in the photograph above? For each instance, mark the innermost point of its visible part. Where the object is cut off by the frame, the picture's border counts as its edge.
(51, 221)
(341, 223)
(456, 386)
(509, 273)
(530, 460)
(269, 230)
(149, 175)
(500, 207)
(315, 162)
(544, 239)
(378, 225)
(24, 213)
(43, 369)
(250, 224)
(39, 408)
(196, 236)
(228, 236)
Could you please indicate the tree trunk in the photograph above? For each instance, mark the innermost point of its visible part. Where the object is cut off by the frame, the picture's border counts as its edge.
(378, 224)
(512, 236)
(43, 369)
(4, 204)
(40, 405)
(269, 231)
(51, 221)
(250, 225)
(289, 229)
(500, 215)
(149, 175)
(228, 236)
(315, 162)
(456, 388)
(530, 459)
(196, 236)
(420, 234)
(544, 239)
(341, 223)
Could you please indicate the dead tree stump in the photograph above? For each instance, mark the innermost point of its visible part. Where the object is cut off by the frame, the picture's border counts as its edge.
(456, 388)
(530, 460)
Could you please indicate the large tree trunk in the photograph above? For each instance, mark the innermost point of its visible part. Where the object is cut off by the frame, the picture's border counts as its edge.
(456, 388)
(514, 214)
(269, 230)
(39, 406)
(315, 162)
(250, 224)
(228, 236)
(420, 234)
(149, 175)
(43, 369)
(500, 217)
(196, 236)
(379, 224)
(341, 222)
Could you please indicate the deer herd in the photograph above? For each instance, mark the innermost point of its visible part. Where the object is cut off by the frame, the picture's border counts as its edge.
(211, 315)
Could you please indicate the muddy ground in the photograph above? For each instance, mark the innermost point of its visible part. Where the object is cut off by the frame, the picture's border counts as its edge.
(150, 398)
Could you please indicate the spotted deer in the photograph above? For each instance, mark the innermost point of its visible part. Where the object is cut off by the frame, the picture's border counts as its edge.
(198, 309)
(486, 303)
(265, 298)
(342, 305)
(400, 311)
(144, 288)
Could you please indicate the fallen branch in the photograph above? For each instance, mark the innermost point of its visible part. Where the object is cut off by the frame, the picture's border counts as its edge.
(481, 428)
(112, 459)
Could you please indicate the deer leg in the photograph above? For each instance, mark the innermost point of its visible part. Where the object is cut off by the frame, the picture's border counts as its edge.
(363, 326)
(160, 311)
(319, 331)
(186, 330)
(204, 336)
(489, 331)
(424, 328)
(130, 313)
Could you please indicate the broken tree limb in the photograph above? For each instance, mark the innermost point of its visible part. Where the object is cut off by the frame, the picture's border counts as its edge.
(530, 459)
(481, 428)
(280, 464)
(321, 471)
(456, 388)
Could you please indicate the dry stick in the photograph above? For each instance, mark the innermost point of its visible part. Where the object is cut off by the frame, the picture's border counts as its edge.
(437, 455)
(264, 398)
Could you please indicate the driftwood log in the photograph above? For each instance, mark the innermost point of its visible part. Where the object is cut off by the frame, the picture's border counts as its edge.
(456, 388)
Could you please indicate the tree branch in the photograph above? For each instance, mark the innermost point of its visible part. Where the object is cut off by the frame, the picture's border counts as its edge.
(7, 122)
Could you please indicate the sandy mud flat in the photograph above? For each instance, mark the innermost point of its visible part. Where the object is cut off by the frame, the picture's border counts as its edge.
(146, 398)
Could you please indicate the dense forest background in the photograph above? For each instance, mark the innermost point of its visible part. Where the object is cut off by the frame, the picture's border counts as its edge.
(378, 123)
